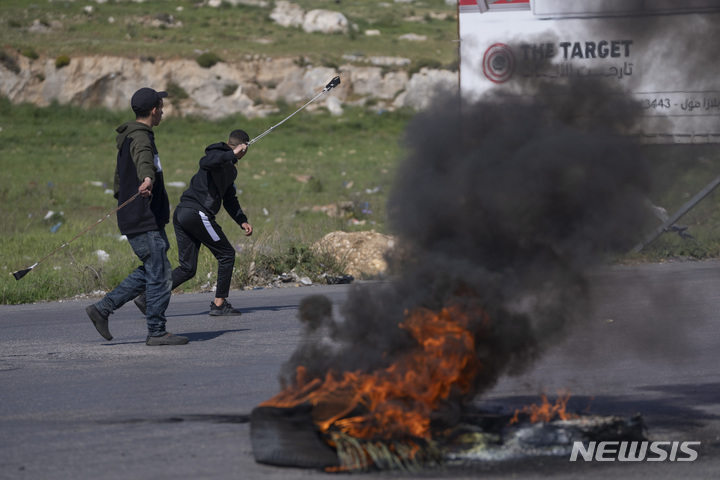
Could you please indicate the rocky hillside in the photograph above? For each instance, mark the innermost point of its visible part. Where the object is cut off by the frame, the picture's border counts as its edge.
(251, 88)
(213, 88)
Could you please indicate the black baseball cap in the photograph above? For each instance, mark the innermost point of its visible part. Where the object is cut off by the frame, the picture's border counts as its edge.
(145, 99)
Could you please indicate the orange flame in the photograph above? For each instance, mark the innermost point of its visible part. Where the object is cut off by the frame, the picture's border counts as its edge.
(546, 412)
(396, 401)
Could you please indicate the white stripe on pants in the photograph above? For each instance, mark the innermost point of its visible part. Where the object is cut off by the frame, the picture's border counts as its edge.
(208, 227)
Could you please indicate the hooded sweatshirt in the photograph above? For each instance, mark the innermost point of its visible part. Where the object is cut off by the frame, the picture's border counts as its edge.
(137, 159)
(214, 185)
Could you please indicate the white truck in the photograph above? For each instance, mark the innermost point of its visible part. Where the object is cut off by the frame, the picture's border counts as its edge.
(663, 52)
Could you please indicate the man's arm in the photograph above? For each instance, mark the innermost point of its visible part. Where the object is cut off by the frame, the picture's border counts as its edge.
(141, 152)
(216, 158)
(232, 207)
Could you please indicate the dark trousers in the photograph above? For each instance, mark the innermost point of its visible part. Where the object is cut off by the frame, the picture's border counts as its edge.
(192, 229)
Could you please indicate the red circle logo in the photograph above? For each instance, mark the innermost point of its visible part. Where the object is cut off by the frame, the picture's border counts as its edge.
(498, 63)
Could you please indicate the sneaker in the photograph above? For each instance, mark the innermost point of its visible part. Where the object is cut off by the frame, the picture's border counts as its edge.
(100, 321)
(141, 303)
(167, 339)
(225, 310)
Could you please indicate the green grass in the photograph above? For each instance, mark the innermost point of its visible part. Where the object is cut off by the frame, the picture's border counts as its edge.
(680, 172)
(62, 159)
(54, 158)
(230, 32)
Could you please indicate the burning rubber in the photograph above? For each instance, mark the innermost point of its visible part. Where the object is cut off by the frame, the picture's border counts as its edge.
(288, 437)
(525, 221)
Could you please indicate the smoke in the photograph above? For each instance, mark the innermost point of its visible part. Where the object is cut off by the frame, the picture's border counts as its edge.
(501, 207)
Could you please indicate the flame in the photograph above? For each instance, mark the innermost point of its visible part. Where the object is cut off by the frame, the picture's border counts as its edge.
(546, 412)
(396, 401)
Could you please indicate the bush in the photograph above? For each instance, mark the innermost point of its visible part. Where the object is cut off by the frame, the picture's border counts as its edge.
(175, 92)
(9, 62)
(229, 89)
(208, 59)
(424, 63)
(30, 53)
(300, 258)
(62, 61)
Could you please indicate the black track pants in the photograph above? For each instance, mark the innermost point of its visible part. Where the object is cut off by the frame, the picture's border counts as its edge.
(192, 229)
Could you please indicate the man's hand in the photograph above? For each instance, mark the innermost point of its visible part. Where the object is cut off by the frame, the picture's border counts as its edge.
(240, 151)
(248, 229)
(146, 187)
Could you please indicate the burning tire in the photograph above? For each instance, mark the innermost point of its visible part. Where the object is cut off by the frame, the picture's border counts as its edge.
(288, 437)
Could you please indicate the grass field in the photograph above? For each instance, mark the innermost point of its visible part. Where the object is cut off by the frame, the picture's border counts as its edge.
(58, 161)
(61, 159)
(122, 28)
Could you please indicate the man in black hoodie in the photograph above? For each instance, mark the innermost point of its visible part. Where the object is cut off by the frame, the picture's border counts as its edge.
(138, 171)
(194, 219)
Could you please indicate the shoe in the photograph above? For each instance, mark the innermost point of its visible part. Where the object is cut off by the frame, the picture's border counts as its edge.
(100, 321)
(225, 310)
(167, 339)
(141, 303)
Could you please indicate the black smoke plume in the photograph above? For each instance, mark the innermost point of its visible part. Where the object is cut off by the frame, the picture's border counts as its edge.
(501, 206)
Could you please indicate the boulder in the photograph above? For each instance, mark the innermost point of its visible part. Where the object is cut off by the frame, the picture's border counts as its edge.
(287, 14)
(369, 81)
(362, 252)
(423, 86)
(324, 21)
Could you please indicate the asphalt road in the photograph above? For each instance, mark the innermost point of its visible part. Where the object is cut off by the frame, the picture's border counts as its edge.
(73, 406)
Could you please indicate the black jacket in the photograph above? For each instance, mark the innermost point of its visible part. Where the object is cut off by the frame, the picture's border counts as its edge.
(138, 158)
(214, 185)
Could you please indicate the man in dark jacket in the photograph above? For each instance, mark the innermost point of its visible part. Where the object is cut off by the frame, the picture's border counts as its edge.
(194, 219)
(143, 221)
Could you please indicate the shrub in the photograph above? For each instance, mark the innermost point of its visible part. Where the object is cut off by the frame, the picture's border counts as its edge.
(424, 63)
(9, 62)
(299, 257)
(30, 53)
(175, 92)
(62, 61)
(208, 59)
(229, 89)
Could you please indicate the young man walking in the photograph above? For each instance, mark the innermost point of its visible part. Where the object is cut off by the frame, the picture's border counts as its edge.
(143, 221)
(194, 219)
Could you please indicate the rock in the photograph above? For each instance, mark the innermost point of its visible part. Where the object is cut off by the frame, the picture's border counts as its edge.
(251, 87)
(287, 14)
(340, 209)
(362, 252)
(303, 84)
(423, 86)
(324, 21)
(371, 82)
(334, 106)
(412, 37)
(251, 3)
